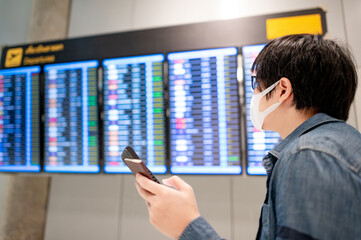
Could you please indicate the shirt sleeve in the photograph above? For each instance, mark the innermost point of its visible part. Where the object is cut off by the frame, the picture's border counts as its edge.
(309, 196)
(199, 229)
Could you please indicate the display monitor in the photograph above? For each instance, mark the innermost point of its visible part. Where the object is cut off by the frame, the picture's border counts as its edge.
(204, 112)
(258, 142)
(20, 120)
(71, 117)
(134, 111)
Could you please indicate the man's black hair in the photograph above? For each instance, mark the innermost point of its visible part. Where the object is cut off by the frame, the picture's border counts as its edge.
(322, 72)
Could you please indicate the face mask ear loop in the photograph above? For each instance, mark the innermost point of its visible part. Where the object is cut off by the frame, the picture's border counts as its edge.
(270, 88)
(274, 106)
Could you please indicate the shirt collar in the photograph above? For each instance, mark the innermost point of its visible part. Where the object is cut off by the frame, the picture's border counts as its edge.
(312, 122)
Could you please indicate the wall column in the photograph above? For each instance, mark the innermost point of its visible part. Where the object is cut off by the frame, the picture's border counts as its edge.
(49, 20)
(26, 198)
(25, 207)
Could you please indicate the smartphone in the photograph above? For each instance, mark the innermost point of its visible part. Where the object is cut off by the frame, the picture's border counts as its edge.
(136, 165)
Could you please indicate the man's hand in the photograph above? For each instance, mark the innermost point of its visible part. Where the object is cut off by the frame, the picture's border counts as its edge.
(170, 209)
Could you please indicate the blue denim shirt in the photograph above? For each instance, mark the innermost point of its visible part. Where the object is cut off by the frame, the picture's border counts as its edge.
(313, 185)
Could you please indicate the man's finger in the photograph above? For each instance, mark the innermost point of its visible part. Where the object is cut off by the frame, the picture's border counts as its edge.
(143, 193)
(148, 184)
(177, 183)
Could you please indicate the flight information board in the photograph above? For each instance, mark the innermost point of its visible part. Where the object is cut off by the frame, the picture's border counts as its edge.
(134, 111)
(20, 120)
(259, 143)
(204, 112)
(71, 117)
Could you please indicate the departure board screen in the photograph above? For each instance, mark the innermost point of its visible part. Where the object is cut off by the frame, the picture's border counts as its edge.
(20, 120)
(259, 143)
(134, 111)
(71, 117)
(204, 112)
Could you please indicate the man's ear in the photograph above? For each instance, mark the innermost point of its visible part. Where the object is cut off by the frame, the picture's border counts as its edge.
(285, 89)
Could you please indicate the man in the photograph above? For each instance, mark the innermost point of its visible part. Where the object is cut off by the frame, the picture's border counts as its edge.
(303, 89)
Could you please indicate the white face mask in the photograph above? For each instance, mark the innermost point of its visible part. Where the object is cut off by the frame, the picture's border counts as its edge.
(258, 117)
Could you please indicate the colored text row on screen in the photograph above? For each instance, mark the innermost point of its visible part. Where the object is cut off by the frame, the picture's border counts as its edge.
(204, 112)
(134, 111)
(71, 117)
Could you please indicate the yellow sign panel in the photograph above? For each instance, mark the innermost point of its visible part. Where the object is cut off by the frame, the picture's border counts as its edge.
(278, 27)
(13, 58)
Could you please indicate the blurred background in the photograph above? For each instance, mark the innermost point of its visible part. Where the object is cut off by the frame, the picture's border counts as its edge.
(108, 206)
